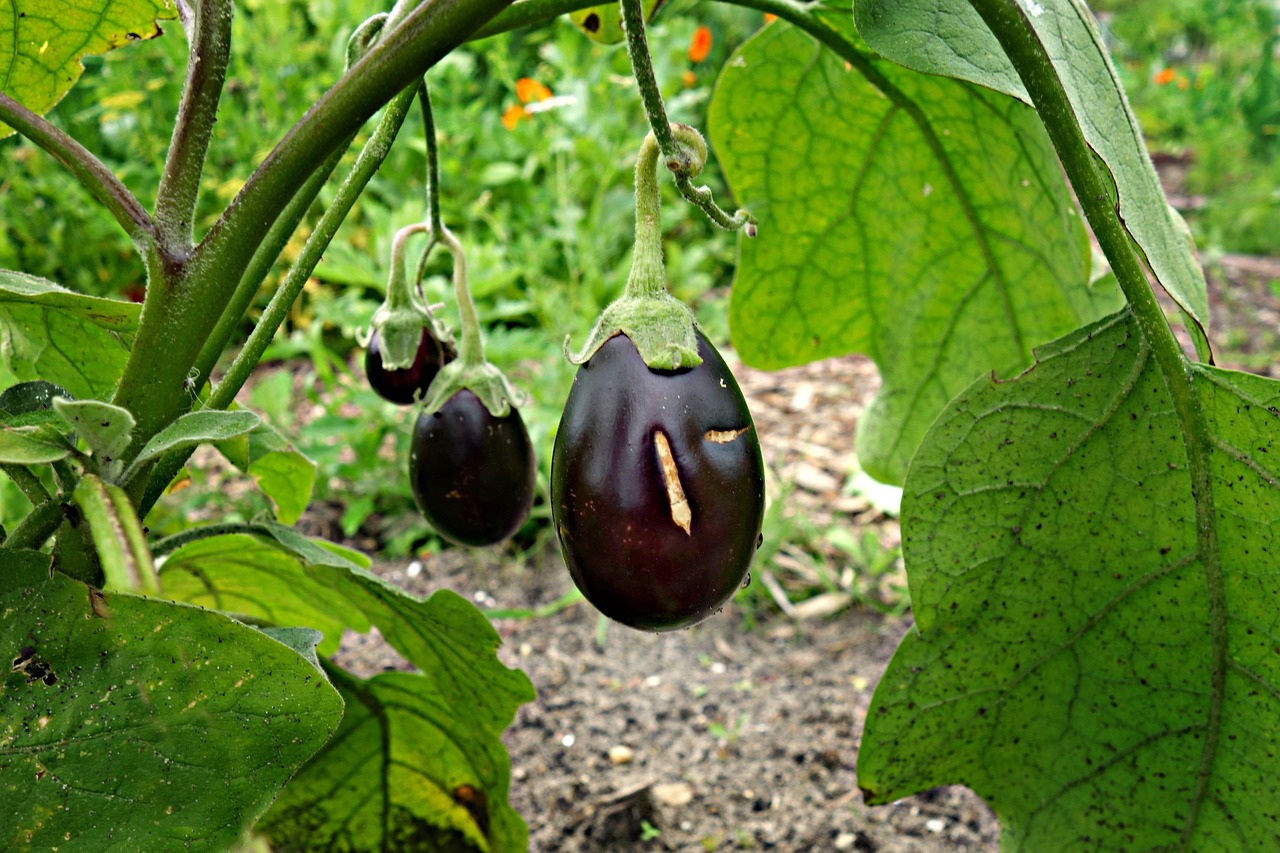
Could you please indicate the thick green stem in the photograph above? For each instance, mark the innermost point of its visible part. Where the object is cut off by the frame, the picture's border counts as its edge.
(210, 48)
(186, 294)
(35, 529)
(87, 169)
(27, 482)
(1017, 36)
(648, 276)
(433, 160)
(259, 267)
(367, 163)
(470, 347)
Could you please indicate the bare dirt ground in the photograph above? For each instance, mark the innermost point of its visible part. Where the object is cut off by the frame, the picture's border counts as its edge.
(724, 737)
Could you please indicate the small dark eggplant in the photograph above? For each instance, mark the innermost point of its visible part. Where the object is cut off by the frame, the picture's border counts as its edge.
(472, 474)
(399, 386)
(657, 487)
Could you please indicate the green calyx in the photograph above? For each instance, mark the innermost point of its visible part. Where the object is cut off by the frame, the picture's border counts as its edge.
(662, 327)
(400, 319)
(470, 371)
(484, 380)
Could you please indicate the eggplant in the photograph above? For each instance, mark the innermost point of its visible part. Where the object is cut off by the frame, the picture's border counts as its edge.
(657, 486)
(473, 475)
(400, 386)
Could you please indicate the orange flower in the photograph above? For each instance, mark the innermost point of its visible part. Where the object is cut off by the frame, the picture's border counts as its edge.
(1182, 83)
(1164, 75)
(700, 46)
(531, 90)
(512, 116)
(689, 79)
(769, 17)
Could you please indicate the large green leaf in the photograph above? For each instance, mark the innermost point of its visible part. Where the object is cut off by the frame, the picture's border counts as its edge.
(1097, 645)
(41, 43)
(254, 577)
(919, 220)
(402, 773)
(76, 341)
(128, 723)
(948, 37)
(466, 696)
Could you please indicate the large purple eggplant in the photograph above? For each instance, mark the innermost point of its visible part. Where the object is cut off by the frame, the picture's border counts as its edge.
(657, 486)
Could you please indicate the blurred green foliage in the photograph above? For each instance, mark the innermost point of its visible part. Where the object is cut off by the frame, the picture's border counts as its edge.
(1204, 80)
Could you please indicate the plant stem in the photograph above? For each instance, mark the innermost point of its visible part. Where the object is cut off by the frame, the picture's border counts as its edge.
(399, 293)
(260, 266)
(169, 544)
(648, 276)
(186, 293)
(683, 162)
(470, 347)
(26, 481)
(367, 163)
(87, 169)
(1017, 36)
(208, 52)
(35, 529)
(433, 159)
(646, 80)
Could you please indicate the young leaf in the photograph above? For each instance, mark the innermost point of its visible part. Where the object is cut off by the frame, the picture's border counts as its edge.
(117, 536)
(1095, 644)
(403, 771)
(31, 446)
(122, 715)
(51, 333)
(107, 429)
(948, 37)
(41, 60)
(198, 428)
(919, 220)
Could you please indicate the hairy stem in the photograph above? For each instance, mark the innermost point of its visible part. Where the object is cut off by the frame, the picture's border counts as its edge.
(367, 163)
(470, 347)
(209, 50)
(27, 482)
(87, 169)
(259, 267)
(35, 529)
(648, 277)
(192, 290)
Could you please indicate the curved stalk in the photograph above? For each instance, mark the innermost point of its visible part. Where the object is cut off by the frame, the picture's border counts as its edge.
(470, 347)
(83, 165)
(210, 48)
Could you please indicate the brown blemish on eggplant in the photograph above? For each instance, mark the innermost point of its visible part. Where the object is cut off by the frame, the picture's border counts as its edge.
(724, 436)
(681, 512)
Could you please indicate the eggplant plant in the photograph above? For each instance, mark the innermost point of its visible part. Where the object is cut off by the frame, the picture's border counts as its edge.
(1088, 511)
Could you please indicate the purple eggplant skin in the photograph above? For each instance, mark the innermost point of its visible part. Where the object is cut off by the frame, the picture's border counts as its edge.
(651, 546)
(399, 386)
(473, 475)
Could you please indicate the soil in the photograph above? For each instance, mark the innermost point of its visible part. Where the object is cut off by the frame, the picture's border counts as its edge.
(730, 736)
